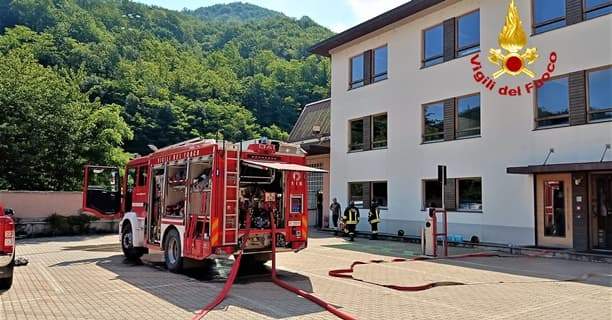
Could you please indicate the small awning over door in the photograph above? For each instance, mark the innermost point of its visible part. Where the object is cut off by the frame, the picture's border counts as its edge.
(562, 167)
(281, 166)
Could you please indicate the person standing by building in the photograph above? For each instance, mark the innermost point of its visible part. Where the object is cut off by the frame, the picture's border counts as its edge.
(351, 219)
(335, 209)
(374, 219)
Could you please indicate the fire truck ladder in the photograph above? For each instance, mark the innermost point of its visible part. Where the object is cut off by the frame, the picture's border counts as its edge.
(231, 194)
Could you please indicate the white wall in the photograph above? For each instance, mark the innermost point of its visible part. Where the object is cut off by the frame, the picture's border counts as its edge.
(41, 204)
(508, 138)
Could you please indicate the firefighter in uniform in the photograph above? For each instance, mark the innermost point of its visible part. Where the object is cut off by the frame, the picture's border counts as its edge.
(351, 219)
(374, 219)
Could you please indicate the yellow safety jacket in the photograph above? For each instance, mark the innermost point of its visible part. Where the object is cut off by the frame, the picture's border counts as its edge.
(351, 216)
(374, 216)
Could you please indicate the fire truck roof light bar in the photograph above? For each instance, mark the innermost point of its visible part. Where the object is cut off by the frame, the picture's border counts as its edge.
(190, 141)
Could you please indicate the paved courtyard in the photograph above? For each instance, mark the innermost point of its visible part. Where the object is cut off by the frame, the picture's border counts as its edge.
(87, 278)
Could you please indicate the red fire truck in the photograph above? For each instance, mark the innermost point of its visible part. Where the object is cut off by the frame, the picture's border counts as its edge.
(7, 248)
(191, 200)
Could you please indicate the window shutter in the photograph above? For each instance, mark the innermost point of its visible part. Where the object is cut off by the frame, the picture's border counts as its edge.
(449, 39)
(366, 195)
(367, 66)
(449, 119)
(577, 98)
(573, 11)
(367, 133)
(450, 194)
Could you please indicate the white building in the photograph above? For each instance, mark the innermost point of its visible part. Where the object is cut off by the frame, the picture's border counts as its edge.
(405, 100)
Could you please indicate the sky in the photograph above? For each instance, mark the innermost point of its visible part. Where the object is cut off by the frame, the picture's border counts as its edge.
(337, 15)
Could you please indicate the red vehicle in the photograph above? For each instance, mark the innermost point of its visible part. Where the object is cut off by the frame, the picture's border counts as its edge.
(191, 200)
(7, 248)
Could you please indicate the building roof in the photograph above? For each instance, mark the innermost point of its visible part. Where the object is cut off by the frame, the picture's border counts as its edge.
(314, 114)
(406, 10)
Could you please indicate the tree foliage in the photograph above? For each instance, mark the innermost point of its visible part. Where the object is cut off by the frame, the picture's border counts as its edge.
(49, 129)
(94, 80)
(236, 12)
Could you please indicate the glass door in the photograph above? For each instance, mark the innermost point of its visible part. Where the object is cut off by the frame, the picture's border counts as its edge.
(601, 237)
(554, 211)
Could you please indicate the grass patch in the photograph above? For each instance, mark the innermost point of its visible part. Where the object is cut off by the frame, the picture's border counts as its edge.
(380, 248)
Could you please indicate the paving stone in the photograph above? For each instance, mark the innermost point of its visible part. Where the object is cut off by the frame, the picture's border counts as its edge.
(88, 278)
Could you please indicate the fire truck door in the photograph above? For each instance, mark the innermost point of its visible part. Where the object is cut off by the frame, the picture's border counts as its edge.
(101, 192)
(140, 193)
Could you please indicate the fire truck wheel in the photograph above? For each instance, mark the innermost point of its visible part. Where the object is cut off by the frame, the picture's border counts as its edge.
(127, 244)
(172, 253)
(6, 283)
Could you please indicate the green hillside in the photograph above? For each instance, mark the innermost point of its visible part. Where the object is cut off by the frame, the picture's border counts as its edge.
(235, 12)
(89, 81)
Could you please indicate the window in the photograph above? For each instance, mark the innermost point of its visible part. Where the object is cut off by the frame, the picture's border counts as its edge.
(356, 135)
(379, 131)
(548, 15)
(433, 122)
(469, 194)
(357, 71)
(552, 101)
(468, 116)
(315, 185)
(432, 194)
(597, 8)
(599, 94)
(461, 33)
(433, 46)
(375, 138)
(380, 64)
(379, 193)
(356, 193)
(106, 179)
(131, 178)
(468, 34)
(142, 176)
(369, 67)
(364, 192)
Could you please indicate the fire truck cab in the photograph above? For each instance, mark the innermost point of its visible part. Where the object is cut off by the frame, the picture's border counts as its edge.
(194, 200)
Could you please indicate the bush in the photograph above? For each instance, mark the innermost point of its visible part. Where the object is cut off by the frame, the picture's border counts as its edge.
(71, 225)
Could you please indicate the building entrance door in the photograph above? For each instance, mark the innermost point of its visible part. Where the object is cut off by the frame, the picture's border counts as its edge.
(315, 201)
(554, 210)
(601, 209)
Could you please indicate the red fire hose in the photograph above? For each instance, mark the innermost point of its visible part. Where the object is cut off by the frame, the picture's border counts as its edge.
(335, 311)
(230, 279)
(348, 273)
(234, 272)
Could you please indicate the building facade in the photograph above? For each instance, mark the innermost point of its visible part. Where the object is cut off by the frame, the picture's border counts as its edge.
(414, 88)
(311, 132)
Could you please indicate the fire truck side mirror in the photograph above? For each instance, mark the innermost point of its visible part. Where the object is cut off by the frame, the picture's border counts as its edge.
(9, 212)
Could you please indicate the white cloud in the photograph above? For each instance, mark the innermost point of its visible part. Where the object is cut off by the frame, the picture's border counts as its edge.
(367, 9)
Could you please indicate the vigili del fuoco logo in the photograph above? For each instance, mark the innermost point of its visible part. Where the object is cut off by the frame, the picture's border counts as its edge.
(512, 59)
